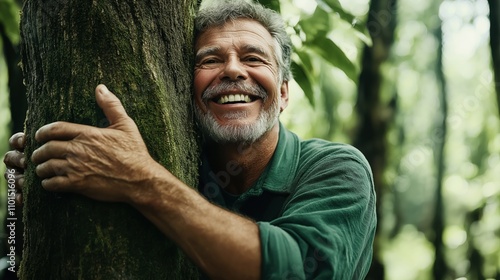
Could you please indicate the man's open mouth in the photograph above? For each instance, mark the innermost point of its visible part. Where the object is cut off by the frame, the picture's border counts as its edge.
(234, 98)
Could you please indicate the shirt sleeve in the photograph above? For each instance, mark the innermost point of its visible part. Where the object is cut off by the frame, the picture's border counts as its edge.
(328, 225)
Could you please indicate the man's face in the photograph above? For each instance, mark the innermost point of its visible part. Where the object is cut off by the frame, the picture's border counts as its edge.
(237, 90)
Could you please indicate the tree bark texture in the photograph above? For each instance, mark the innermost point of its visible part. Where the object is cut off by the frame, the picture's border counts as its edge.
(376, 111)
(142, 50)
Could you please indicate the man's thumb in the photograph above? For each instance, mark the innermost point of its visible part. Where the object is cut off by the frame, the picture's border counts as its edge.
(110, 104)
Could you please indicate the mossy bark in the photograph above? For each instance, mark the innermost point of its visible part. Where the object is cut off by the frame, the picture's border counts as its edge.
(142, 50)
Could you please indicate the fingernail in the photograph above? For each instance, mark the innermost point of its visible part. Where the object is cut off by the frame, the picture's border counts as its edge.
(23, 162)
(20, 141)
(38, 131)
(21, 182)
(103, 89)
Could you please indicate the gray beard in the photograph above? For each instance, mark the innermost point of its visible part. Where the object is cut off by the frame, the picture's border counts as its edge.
(250, 133)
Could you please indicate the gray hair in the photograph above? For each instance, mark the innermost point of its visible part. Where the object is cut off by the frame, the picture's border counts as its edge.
(217, 13)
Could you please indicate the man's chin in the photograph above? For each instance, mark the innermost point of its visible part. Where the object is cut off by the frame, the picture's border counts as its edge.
(235, 130)
(234, 134)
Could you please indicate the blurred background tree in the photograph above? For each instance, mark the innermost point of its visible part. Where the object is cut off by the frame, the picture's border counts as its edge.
(412, 85)
(12, 111)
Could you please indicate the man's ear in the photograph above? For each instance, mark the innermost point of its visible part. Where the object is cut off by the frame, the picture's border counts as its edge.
(284, 96)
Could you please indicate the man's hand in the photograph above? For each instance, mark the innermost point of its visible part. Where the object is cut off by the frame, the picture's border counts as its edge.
(105, 164)
(15, 162)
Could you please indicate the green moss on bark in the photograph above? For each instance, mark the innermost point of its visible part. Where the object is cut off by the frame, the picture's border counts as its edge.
(142, 50)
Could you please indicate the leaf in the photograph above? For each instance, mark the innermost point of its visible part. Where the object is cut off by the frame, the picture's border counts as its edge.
(301, 77)
(316, 25)
(329, 51)
(271, 4)
(305, 59)
(357, 24)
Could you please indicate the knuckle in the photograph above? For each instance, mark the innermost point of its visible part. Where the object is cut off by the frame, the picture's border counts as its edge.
(14, 139)
(20, 181)
(92, 133)
(6, 158)
(13, 159)
(58, 170)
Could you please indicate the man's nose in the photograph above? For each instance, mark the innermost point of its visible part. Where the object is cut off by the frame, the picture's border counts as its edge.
(234, 70)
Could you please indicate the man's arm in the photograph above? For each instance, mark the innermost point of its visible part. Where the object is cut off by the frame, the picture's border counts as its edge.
(113, 164)
(329, 220)
(223, 244)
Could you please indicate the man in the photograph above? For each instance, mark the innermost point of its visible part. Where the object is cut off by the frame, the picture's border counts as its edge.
(269, 206)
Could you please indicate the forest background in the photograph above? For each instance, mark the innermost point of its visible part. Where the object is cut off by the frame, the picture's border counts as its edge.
(412, 85)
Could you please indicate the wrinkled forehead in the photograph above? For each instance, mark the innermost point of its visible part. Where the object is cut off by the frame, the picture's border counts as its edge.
(243, 29)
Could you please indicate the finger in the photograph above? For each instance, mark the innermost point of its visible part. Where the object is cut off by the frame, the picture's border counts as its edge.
(17, 141)
(110, 104)
(19, 199)
(59, 131)
(59, 183)
(16, 178)
(52, 168)
(20, 182)
(15, 160)
(51, 149)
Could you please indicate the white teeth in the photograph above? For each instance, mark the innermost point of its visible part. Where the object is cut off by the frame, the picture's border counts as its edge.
(234, 98)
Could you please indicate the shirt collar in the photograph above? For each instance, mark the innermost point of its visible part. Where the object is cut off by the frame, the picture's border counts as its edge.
(280, 173)
(277, 177)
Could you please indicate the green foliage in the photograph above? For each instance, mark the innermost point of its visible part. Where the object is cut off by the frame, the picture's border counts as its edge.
(271, 4)
(315, 43)
(303, 75)
(359, 26)
(4, 127)
(9, 19)
(471, 187)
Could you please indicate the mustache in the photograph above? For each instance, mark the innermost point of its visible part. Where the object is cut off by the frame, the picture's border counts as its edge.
(228, 86)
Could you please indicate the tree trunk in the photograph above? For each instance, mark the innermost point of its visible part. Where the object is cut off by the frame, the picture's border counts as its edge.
(440, 268)
(495, 44)
(375, 111)
(142, 50)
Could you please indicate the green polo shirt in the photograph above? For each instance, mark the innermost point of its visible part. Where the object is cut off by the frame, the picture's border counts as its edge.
(314, 205)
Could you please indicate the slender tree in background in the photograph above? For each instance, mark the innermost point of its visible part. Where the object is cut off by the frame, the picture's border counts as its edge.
(142, 50)
(495, 44)
(376, 111)
(17, 96)
(440, 267)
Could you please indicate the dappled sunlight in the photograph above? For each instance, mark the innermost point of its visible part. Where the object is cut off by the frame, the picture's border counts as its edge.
(472, 147)
(409, 254)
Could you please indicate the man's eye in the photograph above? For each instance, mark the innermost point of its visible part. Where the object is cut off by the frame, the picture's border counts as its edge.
(253, 59)
(209, 61)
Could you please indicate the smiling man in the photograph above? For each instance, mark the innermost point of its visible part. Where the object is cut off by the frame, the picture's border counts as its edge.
(239, 91)
(269, 205)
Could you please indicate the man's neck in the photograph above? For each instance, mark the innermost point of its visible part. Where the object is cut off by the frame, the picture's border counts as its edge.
(242, 163)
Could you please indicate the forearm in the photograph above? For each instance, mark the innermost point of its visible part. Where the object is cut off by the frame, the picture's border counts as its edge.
(221, 243)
